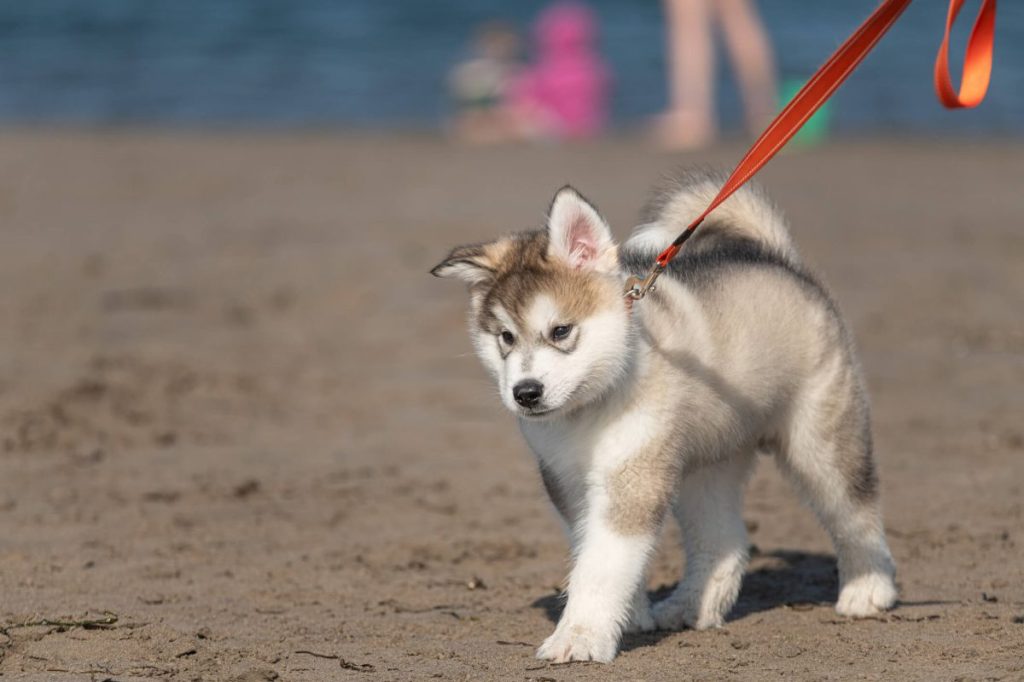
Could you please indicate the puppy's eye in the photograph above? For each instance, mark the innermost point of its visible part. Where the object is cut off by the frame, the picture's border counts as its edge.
(508, 337)
(561, 332)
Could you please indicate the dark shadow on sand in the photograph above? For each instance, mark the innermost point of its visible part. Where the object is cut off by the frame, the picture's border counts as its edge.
(790, 578)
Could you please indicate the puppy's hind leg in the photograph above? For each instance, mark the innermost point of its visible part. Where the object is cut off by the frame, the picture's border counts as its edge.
(709, 509)
(828, 454)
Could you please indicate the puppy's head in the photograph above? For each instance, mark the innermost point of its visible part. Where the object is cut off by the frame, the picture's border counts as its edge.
(547, 315)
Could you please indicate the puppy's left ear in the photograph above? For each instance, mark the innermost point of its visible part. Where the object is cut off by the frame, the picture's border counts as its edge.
(577, 233)
(473, 264)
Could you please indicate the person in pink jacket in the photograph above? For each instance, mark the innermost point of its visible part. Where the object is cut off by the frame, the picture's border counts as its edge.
(564, 93)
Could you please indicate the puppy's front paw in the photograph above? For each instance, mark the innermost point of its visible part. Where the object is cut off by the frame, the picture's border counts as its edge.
(640, 618)
(670, 614)
(676, 613)
(867, 595)
(578, 643)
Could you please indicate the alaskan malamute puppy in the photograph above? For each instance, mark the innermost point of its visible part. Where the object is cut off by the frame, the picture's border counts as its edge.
(637, 410)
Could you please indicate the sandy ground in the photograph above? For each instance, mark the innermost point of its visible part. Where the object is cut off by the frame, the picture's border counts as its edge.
(242, 431)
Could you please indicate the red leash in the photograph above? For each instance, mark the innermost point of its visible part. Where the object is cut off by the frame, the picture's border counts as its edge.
(977, 61)
(974, 83)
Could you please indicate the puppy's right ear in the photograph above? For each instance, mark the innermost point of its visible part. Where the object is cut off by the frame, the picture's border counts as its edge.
(473, 264)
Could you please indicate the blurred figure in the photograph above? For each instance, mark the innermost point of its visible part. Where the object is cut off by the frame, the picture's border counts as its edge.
(479, 86)
(564, 93)
(690, 121)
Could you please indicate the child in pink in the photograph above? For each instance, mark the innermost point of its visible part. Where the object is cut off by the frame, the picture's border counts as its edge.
(564, 94)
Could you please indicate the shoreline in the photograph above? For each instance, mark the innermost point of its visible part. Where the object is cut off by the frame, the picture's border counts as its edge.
(637, 132)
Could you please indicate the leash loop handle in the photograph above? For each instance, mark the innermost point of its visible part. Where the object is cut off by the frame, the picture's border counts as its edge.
(825, 81)
(977, 58)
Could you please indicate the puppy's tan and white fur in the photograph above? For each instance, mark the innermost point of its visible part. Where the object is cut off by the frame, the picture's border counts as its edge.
(637, 411)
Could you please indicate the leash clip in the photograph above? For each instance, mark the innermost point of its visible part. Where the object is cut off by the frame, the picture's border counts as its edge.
(637, 288)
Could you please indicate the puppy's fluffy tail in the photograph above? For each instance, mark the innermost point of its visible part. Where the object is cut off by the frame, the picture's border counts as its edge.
(746, 216)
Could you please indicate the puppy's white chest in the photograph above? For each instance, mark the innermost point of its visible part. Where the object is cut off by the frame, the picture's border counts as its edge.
(593, 444)
(564, 448)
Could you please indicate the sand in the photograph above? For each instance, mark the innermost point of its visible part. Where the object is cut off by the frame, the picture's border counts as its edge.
(243, 432)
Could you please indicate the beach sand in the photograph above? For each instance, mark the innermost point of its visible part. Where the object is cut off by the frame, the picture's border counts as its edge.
(238, 414)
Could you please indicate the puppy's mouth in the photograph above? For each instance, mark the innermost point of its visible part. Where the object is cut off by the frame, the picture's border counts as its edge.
(536, 412)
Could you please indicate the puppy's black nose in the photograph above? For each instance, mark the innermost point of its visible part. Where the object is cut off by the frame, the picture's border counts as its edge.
(528, 392)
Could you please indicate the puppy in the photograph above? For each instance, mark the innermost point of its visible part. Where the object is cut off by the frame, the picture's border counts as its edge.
(635, 411)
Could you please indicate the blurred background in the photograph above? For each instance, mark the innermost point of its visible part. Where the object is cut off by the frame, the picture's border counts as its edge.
(239, 418)
(369, 64)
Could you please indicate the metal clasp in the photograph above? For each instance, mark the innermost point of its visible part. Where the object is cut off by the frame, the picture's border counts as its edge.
(637, 288)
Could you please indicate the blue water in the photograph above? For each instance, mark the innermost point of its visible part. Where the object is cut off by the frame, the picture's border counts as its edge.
(383, 62)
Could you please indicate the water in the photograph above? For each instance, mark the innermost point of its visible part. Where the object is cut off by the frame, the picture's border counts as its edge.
(383, 62)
